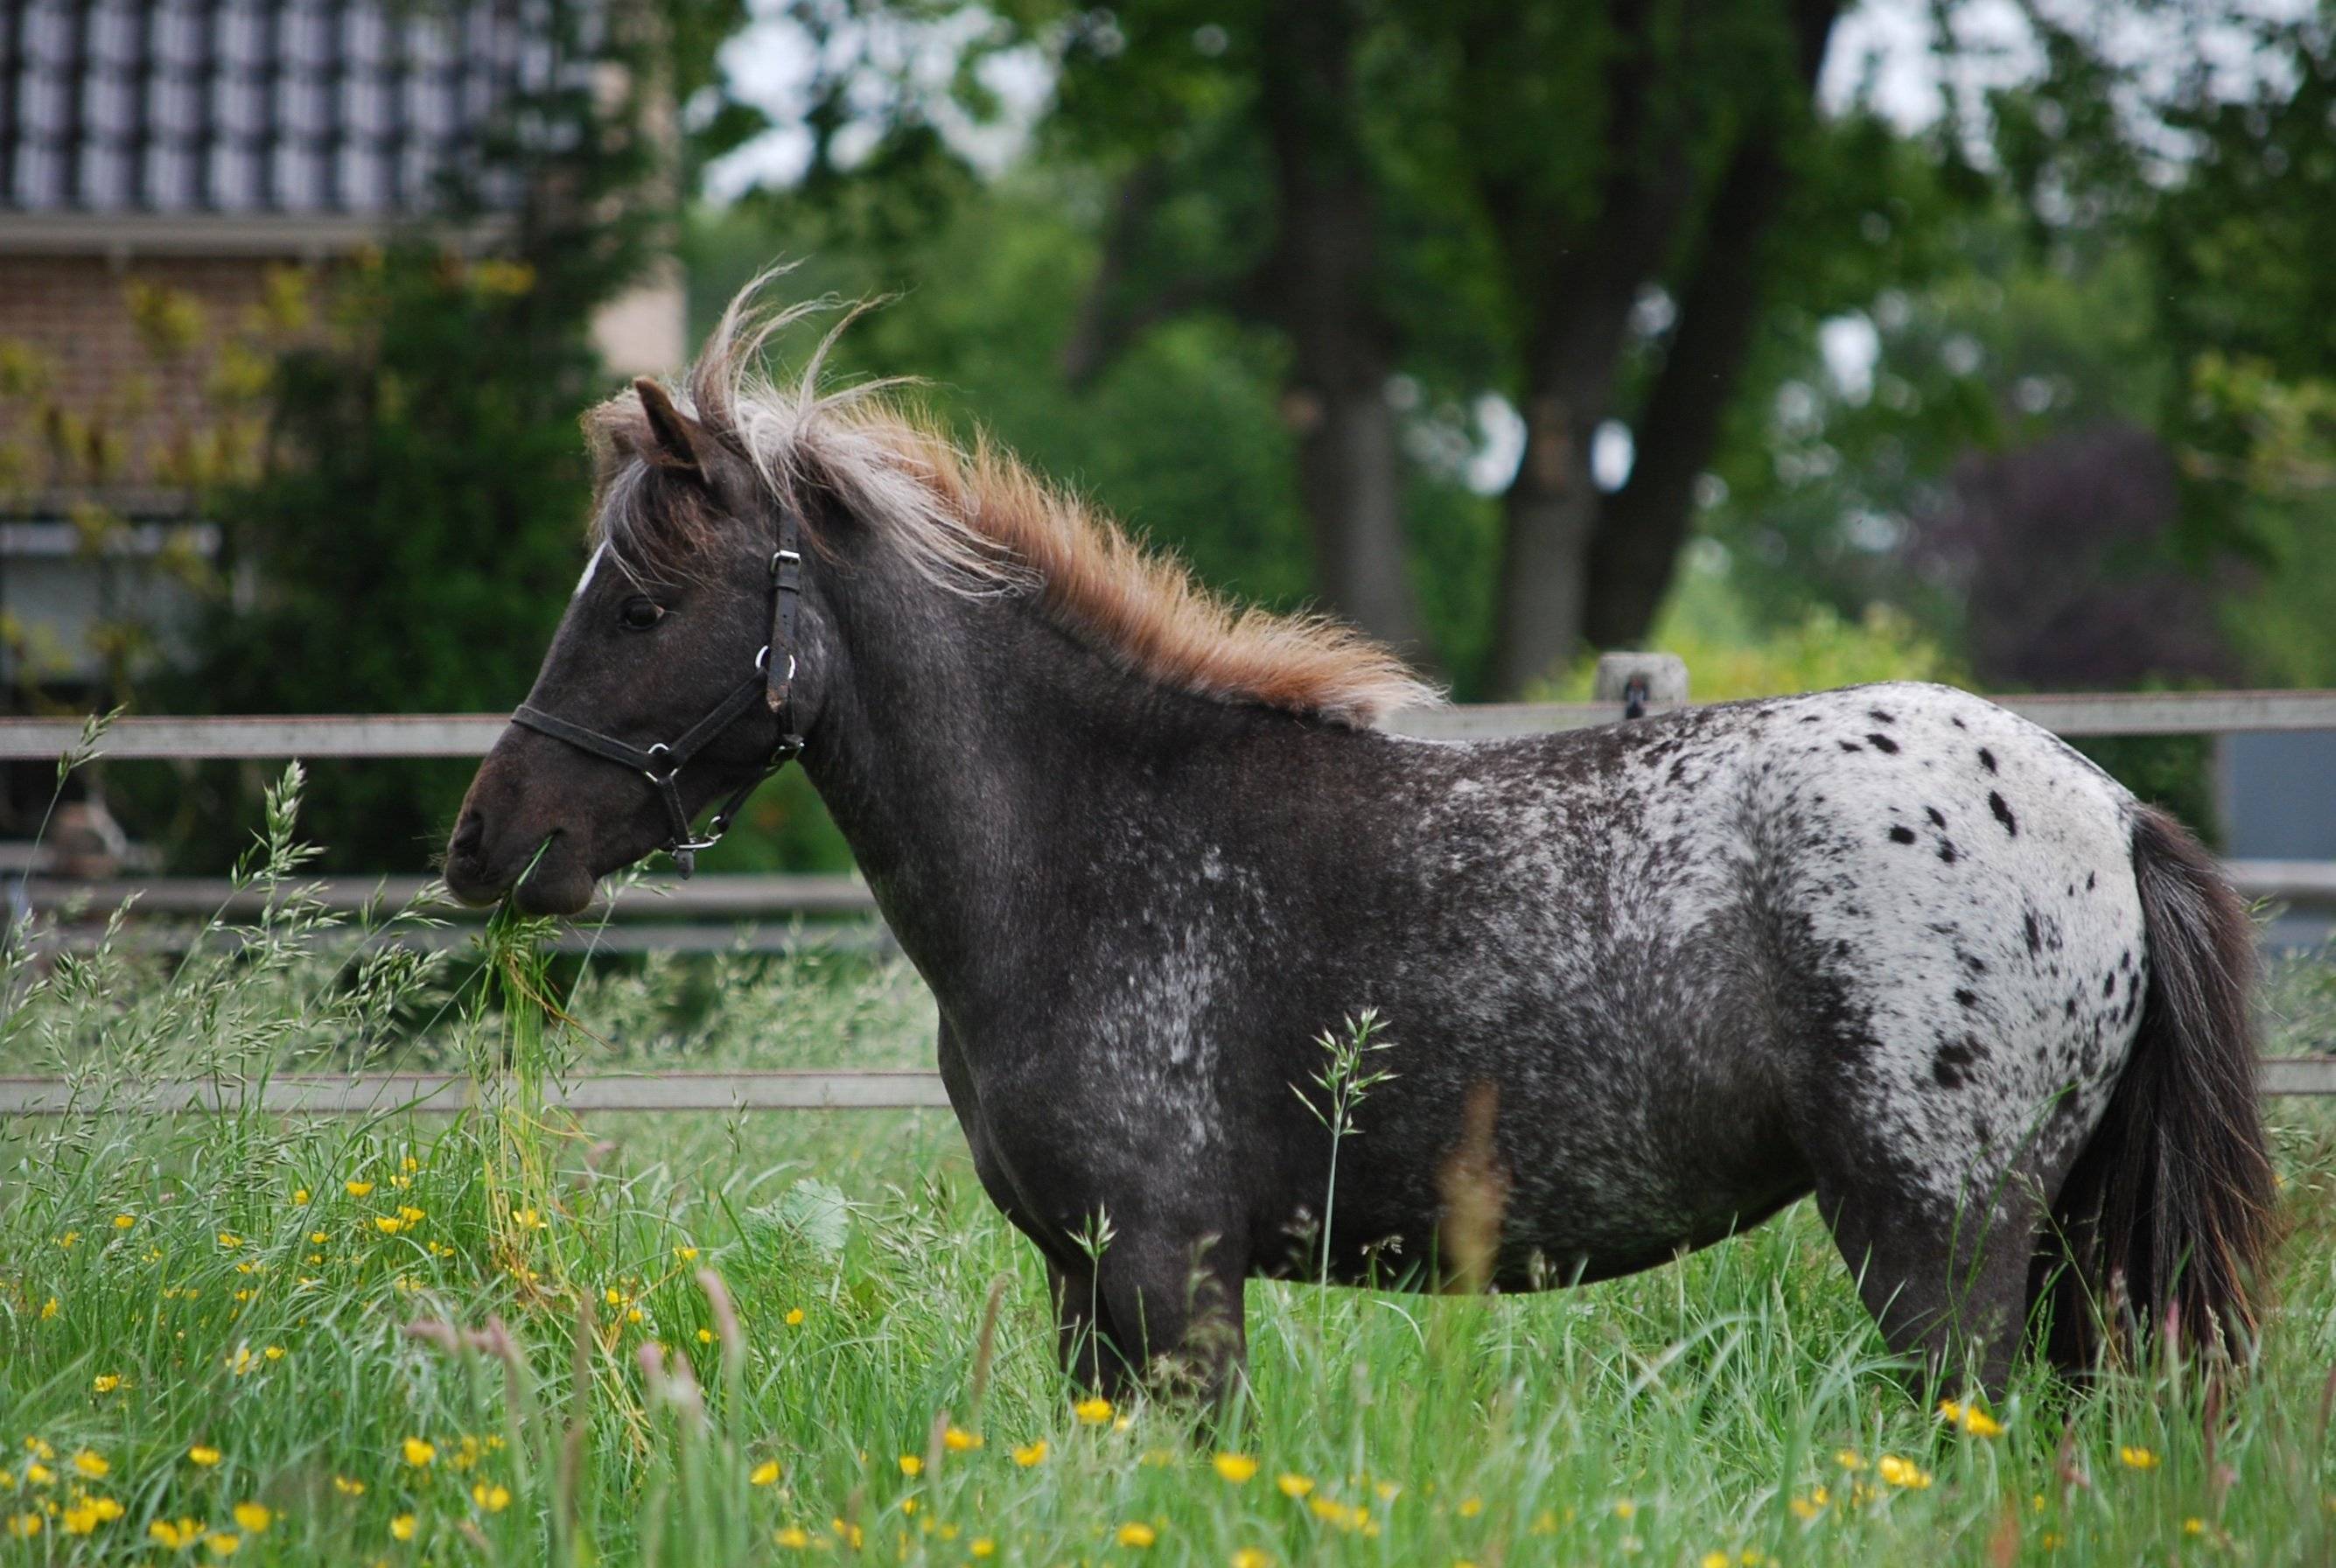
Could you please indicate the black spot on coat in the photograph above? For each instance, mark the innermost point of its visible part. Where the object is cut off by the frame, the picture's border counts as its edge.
(2002, 814)
(1902, 834)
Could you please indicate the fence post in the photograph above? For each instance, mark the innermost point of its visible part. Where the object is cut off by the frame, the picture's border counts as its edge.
(1639, 681)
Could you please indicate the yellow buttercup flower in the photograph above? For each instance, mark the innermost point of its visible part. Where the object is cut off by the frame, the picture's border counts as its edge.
(183, 1533)
(1971, 1419)
(1094, 1411)
(1031, 1454)
(686, 1254)
(1234, 1467)
(229, 1240)
(493, 1499)
(402, 1527)
(958, 1440)
(910, 1465)
(417, 1452)
(794, 1537)
(983, 1546)
(794, 1316)
(254, 1516)
(2137, 1458)
(357, 1189)
(28, 1523)
(705, 1336)
(348, 1487)
(223, 1544)
(123, 1222)
(299, 1194)
(1253, 1557)
(1294, 1486)
(1903, 1473)
(1135, 1533)
(91, 1464)
(204, 1455)
(1848, 1459)
(764, 1473)
(106, 1382)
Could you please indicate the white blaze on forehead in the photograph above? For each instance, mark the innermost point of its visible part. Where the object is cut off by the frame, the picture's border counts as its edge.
(590, 566)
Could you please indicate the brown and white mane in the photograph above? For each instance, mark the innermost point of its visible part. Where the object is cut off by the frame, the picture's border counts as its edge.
(977, 521)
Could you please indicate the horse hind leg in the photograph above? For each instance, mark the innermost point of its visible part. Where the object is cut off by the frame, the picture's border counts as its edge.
(1948, 1282)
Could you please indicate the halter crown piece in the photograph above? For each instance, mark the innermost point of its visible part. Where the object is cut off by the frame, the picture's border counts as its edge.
(661, 763)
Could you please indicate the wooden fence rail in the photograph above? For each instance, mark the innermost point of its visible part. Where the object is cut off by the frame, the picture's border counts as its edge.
(466, 735)
(324, 736)
(446, 1094)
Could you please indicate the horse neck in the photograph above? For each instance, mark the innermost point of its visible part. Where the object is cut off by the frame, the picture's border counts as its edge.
(961, 747)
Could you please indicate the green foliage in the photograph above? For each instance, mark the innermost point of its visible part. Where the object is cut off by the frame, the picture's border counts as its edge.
(412, 548)
(1731, 654)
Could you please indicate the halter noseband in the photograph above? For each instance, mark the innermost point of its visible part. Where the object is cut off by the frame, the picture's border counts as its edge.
(661, 764)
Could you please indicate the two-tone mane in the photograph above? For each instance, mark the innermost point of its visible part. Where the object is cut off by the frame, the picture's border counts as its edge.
(976, 520)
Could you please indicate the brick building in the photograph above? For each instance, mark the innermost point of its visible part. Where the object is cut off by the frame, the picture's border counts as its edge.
(197, 145)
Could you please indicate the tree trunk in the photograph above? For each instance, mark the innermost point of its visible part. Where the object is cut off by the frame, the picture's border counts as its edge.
(1318, 285)
(1578, 285)
(1634, 549)
(1552, 506)
(1636, 543)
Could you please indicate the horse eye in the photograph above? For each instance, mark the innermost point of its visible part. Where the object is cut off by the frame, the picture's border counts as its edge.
(640, 613)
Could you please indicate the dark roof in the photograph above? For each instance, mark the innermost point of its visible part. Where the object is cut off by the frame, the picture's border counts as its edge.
(279, 107)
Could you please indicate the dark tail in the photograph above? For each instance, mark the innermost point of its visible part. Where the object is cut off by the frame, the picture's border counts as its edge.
(2166, 1216)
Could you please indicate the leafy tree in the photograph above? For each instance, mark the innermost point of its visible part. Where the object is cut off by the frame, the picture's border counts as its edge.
(1445, 198)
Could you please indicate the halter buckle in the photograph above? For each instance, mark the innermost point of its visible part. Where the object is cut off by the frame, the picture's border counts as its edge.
(659, 779)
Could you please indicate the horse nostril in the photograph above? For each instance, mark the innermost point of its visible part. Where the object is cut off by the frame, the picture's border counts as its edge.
(469, 835)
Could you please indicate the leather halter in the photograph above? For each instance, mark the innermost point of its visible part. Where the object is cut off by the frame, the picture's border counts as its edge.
(661, 763)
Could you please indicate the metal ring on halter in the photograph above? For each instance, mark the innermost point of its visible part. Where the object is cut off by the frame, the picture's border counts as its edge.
(762, 659)
(650, 773)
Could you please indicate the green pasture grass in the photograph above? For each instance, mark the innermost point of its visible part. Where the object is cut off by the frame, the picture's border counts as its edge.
(207, 1348)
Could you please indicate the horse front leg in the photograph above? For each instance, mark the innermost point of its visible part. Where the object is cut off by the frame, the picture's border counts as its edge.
(1089, 1352)
(1174, 1300)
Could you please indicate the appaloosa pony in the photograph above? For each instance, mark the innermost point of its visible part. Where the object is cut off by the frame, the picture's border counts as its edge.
(1890, 945)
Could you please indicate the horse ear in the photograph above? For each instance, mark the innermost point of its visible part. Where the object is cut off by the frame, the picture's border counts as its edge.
(679, 441)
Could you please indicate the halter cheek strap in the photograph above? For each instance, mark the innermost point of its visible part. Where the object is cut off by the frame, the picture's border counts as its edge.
(661, 763)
